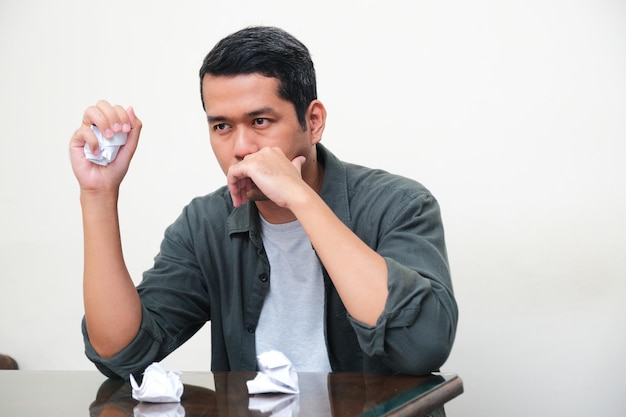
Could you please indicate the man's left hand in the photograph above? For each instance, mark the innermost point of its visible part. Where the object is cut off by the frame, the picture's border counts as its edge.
(265, 175)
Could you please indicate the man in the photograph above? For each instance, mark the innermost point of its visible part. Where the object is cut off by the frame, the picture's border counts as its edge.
(338, 266)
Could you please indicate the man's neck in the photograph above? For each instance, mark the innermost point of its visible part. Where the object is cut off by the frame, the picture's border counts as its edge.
(274, 214)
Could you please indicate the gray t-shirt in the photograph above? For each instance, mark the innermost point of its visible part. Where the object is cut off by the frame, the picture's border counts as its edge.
(292, 318)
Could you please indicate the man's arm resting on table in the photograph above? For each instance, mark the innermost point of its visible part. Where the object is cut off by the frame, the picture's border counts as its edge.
(407, 318)
(416, 332)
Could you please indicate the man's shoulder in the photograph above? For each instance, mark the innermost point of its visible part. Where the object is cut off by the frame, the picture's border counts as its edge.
(363, 179)
(216, 204)
(218, 196)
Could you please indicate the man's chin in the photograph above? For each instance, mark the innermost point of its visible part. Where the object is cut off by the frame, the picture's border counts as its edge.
(256, 195)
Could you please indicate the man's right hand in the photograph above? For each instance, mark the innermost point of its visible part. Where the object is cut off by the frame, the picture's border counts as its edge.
(110, 120)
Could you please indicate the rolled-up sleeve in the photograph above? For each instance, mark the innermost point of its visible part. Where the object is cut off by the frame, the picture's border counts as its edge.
(134, 358)
(416, 330)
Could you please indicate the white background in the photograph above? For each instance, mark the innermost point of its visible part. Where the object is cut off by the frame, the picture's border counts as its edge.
(512, 112)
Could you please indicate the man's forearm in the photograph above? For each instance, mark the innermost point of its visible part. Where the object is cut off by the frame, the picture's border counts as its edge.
(358, 272)
(112, 306)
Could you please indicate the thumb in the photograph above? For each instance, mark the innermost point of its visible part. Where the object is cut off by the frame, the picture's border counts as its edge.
(135, 123)
(135, 127)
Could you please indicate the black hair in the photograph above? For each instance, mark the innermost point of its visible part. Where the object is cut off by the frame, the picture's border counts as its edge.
(271, 52)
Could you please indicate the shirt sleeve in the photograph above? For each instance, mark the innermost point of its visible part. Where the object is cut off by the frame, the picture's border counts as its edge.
(416, 330)
(134, 358)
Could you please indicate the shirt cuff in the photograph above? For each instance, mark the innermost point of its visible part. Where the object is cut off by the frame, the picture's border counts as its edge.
(406, 292)
(134, 358)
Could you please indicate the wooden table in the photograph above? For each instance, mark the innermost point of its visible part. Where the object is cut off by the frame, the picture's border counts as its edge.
(88, 393)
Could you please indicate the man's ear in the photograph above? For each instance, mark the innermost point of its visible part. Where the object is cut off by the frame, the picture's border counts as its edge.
(316, 118)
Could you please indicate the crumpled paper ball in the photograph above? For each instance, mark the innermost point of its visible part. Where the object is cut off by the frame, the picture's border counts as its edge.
(158, 385)
(276, 375)
(108, 147)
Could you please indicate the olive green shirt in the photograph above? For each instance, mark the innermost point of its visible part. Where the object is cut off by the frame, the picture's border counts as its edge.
(212, 267)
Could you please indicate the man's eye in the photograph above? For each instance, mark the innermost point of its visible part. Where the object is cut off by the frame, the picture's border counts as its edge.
(220, 126)
(260, 121)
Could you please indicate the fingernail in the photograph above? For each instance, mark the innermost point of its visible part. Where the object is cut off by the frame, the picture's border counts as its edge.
(116, 127)
(108, 133)
(126, 127)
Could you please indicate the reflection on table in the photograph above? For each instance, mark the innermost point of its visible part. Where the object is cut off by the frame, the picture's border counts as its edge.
(334, 394)
(76, 393)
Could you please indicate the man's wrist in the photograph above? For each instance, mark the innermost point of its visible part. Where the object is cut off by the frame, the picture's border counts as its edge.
(99, 198)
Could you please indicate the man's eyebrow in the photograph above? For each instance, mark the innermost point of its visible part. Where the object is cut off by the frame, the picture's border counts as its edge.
(213, 119)
(254, 113)
(267, 110)
(261, 111)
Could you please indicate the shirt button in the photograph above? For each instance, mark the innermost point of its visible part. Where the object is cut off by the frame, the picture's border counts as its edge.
(251, 328)
(263, 277)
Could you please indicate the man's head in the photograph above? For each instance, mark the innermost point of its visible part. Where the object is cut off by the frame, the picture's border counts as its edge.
(271, 52)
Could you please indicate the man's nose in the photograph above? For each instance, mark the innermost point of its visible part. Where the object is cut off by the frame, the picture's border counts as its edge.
(245, 143)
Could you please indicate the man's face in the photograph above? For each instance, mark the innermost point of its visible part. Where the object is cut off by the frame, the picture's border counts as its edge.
(245, 114)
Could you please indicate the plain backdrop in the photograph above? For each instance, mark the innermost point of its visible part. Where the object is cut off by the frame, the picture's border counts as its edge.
(512, 112)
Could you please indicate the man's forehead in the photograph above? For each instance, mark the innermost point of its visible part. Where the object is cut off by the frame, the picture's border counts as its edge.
(239, 85)
(242, 94)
